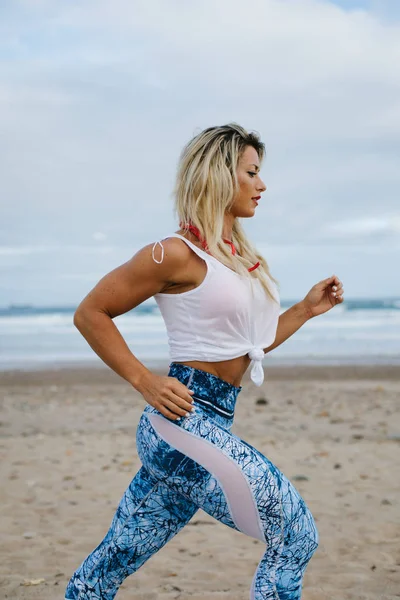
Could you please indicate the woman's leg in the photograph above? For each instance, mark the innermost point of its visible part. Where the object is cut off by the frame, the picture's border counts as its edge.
(300, 542)
(236, 484)
(148, 516)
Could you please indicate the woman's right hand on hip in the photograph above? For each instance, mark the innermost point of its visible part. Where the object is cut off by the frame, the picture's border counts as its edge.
(167, 395)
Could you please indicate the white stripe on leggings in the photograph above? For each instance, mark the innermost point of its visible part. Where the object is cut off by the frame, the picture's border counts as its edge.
(236, 488)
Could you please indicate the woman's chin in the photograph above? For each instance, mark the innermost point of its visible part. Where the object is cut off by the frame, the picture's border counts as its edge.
(245, 213)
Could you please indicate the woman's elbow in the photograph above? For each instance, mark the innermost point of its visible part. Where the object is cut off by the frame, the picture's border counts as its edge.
(83, 315)
(78, 317)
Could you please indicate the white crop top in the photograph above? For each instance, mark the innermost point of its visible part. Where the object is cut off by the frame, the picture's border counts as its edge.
(220, 319)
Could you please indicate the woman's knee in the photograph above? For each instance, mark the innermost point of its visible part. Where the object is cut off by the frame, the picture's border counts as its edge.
(300, 527)
(309, 531)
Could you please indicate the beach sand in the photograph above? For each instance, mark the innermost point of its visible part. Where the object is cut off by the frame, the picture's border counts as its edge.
(68, 453)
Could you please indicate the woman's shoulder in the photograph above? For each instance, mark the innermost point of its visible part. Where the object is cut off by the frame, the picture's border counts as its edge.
(172, 249)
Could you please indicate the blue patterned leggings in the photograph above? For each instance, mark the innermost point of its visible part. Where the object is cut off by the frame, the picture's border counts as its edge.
(194, 463)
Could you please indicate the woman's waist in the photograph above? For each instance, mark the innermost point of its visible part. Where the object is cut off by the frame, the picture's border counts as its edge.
(210, 391)
(231, 371)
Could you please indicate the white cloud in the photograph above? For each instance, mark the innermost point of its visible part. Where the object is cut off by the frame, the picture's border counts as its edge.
(365, 226)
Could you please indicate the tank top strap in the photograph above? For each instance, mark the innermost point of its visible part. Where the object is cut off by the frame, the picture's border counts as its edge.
(202, 253)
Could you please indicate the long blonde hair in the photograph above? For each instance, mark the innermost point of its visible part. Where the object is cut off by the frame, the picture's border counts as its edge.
(205, 188)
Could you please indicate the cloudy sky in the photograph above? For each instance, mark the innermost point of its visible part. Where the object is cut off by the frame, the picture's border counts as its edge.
(97, 99)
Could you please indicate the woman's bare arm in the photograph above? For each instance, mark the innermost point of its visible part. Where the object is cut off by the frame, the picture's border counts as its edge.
(288, 323)
(118, 292)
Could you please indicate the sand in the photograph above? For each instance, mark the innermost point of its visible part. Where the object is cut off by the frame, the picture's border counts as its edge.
(68, 453)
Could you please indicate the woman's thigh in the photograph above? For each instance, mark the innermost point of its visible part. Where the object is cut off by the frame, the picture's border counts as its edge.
(224, 475)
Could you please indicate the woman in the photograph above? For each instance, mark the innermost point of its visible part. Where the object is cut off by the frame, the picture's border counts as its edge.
(221, 308)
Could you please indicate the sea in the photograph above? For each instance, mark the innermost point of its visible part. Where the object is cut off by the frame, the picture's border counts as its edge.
(358, 331)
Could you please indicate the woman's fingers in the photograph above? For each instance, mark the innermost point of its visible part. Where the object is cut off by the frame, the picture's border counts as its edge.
(167, 413)
(337, 290)
(174, 411)
(181, 391)
(177, 409)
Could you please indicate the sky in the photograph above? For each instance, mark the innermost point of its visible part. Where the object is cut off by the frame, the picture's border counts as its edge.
(98, 98)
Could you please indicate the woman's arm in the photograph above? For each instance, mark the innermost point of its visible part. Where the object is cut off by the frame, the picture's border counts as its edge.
(289, 322)
(323, 296)
(116, 293)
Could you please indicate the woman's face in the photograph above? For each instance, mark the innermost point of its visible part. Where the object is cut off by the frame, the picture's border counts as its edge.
(251, 184)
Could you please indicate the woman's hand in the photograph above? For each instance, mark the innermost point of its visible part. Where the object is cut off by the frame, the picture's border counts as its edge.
(323, 296)
(167, 394)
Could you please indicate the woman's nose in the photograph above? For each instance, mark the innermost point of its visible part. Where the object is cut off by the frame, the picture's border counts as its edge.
(263, 187)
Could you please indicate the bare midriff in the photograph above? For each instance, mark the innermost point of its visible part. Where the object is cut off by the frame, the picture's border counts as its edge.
(231, 371)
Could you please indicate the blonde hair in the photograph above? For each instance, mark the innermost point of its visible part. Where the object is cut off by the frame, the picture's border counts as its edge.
(205, 188)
